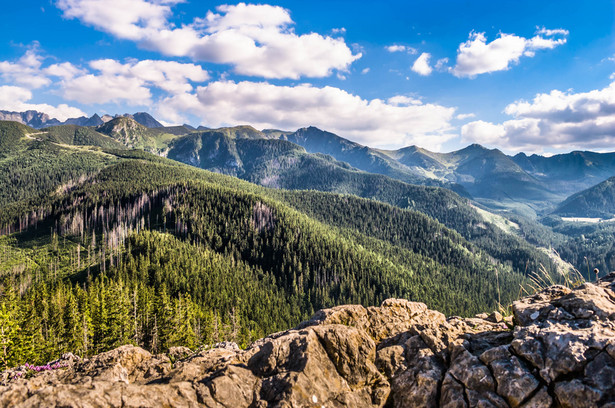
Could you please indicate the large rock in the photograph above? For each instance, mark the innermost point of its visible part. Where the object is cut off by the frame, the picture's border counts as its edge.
(560, 353)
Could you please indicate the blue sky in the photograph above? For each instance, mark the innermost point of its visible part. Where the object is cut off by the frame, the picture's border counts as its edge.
(516, 75)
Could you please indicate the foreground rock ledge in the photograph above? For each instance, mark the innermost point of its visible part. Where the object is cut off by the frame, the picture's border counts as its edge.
(561, 353)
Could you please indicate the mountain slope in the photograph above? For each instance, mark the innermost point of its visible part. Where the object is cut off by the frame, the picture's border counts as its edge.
(361, 157)
(146, 120)
(281, 164)
(571, 172)
(32, 164)
(79, 136)
(490, 176)
(132, 134)
(147, 242)
(597, 201)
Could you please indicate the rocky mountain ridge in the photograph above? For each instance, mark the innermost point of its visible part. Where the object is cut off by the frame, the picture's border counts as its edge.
(39, 120)
(557, 351)
(531, 186)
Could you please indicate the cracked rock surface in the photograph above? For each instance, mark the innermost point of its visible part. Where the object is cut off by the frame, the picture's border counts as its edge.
(561, 353)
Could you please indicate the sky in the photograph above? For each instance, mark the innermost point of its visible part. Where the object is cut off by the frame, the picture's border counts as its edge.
(532, 76)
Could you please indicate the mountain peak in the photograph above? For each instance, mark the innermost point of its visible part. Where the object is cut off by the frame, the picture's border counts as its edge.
(124, 129)
(475, 147)
(147, 120)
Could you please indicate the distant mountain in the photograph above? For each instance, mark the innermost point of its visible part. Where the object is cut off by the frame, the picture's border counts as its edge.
(30, 118)
(487, 174)
(361, 157)
(528, 185)
(146, 120)
(125, 130)
(39, 120)
(245, 152)
(132, 134)
(595, 202)
(274, 159)
(95, 120)
(570, 172)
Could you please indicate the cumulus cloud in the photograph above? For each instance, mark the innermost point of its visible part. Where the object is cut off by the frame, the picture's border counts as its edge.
(101, 81)
(400, 121)
(25, 71)
(421, 65)
(131, 82)
(258, 40)
(15, 99)
(557, 119)
(65, 70)
(402, 100)
(463, 116)
(400, 48)
(477, 56)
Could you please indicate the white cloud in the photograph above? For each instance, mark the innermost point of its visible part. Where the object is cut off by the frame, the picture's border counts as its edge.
(258, 40)
(476, 56)
(401, 121)
(26, 71)
(463, 116)
(15, 99)
(421, 65)
(395, 48)
(65, 70)
(482, 132)
(549, 33)
(401, 100)
(562, 120)
(400, 48)
(100, 89)
(105, 81)
(364, 71)
(131, 82)
(441, 64)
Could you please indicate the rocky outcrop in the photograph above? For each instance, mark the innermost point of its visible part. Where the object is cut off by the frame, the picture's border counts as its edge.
(31, 118)
(559, 351)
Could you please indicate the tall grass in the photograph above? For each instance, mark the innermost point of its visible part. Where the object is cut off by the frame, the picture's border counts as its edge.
(542, 279)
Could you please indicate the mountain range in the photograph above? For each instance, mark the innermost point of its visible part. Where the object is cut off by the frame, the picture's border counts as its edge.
(121, 233)
(530, 186)
(38, 120)
(103, 244)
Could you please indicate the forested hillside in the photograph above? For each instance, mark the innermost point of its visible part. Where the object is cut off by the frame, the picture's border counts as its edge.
(101, 245)
(137, 248)
(597, 201)
(244, 153)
